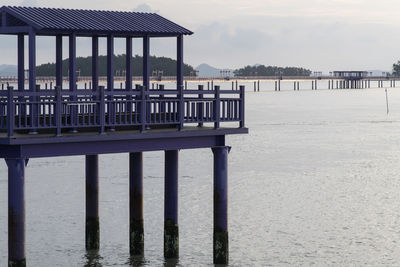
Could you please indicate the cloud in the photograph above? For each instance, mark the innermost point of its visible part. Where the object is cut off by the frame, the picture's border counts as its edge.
(29, 3)
(144, 8)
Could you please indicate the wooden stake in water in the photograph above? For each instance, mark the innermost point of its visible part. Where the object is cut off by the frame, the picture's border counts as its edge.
(387, 102)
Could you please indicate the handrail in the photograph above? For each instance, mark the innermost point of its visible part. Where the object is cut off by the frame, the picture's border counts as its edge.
(64, 110)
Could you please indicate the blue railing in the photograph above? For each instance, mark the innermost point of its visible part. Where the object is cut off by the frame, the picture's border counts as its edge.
(61, 110)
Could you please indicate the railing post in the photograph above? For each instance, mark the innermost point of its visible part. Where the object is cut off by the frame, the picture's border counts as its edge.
(200, 106)
(181, 109)
(35, 109)
(58, 109)
(242, 103)
(162, 97)
(143, 109)
(217, 105)
(10, 111)
(128, 98)
(102, 112)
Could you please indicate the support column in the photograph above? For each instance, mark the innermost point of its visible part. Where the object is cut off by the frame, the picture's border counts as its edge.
(146, 83)
(95, 63)
(59, 79)
(136, 232)
(21, 62)
(33, 109)
(128, 85)
(110, 79)
(146, 63)
(73, 80)
(110, 62)
(171, 231)
(179, 80)
(92, 202)
(221, 241)
(72, 62)
(16, 212)
(32, 61)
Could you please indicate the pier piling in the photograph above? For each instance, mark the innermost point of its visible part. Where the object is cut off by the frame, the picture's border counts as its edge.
(16, 212)
(92, 236)
(136, 232)
(220, 237)
(171, 230)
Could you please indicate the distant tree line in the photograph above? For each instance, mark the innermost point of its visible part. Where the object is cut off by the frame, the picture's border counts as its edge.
(84, 65)
(261, 70)
(396, 69)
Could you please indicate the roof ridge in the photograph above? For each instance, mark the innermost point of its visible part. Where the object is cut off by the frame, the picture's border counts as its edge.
(82, 9)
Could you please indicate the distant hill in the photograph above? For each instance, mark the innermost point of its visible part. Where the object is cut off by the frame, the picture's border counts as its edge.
(206, 70)
(8, 70)
(84, 65)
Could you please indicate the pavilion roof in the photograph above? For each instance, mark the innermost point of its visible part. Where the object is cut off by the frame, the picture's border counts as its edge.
(52, 21)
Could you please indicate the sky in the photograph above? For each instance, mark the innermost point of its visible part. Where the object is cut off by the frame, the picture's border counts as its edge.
(321, 35)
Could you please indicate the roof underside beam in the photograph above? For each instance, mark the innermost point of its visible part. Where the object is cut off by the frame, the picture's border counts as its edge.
(25, 30)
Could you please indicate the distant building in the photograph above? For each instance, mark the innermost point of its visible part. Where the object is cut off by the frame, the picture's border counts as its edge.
(317, 73)
(350, 75)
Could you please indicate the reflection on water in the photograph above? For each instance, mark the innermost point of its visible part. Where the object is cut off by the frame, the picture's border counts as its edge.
(93, 258)
(171, 262)
(137, 261)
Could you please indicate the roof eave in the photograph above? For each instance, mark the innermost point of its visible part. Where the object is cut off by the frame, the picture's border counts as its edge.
(29, 22)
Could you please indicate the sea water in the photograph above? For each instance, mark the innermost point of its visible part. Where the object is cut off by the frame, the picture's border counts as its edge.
(315, 182)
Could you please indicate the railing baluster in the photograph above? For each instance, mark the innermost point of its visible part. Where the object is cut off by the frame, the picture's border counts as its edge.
(194, 112)
(159, 111)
